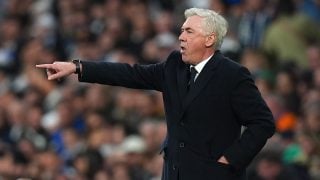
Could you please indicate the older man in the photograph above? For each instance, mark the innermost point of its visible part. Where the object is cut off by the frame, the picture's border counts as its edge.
(207, 98)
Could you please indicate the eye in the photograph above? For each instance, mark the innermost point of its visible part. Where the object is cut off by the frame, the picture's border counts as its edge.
(187, 30)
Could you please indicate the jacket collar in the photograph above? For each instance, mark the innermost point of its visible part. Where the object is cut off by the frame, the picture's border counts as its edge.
(209, 69)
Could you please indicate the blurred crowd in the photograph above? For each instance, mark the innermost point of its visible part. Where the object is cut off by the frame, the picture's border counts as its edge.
(69, 130)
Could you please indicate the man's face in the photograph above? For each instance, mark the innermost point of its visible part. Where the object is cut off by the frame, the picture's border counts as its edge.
(193, 40)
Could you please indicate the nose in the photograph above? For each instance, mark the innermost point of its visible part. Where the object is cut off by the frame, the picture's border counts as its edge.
(182, 36)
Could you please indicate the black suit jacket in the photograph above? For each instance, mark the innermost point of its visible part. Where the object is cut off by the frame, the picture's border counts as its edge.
(204, 123)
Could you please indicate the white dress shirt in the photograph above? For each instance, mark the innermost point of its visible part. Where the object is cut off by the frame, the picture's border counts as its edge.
(200, 66)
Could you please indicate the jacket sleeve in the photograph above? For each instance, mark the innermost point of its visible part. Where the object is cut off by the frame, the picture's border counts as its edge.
(253, 113)
(120, 74)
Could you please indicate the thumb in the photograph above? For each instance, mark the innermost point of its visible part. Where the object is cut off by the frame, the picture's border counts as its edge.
(55, 76)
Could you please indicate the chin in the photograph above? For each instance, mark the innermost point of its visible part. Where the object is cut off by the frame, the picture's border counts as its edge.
(185, 60)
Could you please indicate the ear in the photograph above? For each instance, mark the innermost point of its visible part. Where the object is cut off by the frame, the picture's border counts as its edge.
(210, 40)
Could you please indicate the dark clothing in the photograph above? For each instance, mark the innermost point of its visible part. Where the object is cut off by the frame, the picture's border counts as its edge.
(204, 123)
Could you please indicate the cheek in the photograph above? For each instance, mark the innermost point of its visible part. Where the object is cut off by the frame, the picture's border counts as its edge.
(195, 44)
(194, 40)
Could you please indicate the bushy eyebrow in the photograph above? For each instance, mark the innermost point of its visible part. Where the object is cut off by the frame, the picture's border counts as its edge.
(187, 29)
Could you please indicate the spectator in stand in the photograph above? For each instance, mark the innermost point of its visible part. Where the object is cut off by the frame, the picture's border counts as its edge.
(253, 23)
(287, 37)
(269, 167)
(286, 86)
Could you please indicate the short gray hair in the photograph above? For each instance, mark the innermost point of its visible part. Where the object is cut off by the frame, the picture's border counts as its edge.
(213, 23)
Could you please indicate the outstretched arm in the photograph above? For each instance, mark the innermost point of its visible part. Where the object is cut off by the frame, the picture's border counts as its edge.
(116, 74)
(58, 69)
(121, 74)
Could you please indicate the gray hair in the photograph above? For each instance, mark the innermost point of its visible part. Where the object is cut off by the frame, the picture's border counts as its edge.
(213, 23)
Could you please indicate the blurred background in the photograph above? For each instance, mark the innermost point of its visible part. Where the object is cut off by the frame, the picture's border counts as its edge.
(69, 130)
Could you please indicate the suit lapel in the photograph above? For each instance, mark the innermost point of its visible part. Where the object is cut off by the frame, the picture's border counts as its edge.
(202, 80)
(182, 80)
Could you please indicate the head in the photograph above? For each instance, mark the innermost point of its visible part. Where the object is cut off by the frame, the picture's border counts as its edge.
(201, 34)
(269, 165)
(312, 116)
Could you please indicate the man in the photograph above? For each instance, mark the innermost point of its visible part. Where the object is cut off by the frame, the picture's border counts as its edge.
(204, 114)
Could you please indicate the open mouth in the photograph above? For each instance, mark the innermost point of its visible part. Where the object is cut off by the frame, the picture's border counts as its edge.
(182, 49)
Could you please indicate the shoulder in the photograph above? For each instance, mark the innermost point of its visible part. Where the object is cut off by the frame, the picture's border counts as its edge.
(233, 69)
(229, 65)
(174, 58)
(174, 55)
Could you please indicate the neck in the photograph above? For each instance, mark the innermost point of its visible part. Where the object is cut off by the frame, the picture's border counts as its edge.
(205, 56)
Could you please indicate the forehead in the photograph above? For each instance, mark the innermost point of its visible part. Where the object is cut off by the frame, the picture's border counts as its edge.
(193, 22)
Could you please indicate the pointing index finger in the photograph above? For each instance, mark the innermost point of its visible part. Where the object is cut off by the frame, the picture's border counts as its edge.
(44, 66)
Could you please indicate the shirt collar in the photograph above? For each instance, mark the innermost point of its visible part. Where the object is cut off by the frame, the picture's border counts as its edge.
(201, 65)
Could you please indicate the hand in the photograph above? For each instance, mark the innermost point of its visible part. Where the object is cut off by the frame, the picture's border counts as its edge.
(223, 160)
(58, 70)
